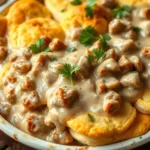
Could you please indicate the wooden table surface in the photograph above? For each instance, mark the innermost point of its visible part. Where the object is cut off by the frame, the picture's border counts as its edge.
(143, 147)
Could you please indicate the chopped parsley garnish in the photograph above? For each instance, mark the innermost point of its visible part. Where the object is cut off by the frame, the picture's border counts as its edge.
(76, 2)
(103, 40)
(89, 11)
(87, 36)
(53, 59)
(71, 49)
(65, 86)
(90, 58)
(39, 47)
(96, 55)
(136, 29)
(89, 8)
(47, 49)
(68, 70)
(106, 37)
(63, 10)
(134, 71)
(91, 118)
(121, 12)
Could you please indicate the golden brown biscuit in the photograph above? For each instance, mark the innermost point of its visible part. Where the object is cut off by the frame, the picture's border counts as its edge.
(76, 17)
(104, 126)
(132, 2)
(143, 104)
(64, 5)
(30, 31)
(26, 9)
(54, 3)
(3, 25)
(139, 127)
(58, 10)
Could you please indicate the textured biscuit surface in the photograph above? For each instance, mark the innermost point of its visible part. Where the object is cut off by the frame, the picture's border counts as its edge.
(76, 17)
(143, 104)
(58, 11)
(104, 126)
(63, 4)
(139, 127)
(30, 31)
(26, 9)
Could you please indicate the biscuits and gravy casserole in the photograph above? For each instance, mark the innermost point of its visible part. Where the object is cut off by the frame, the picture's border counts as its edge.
(76, 72)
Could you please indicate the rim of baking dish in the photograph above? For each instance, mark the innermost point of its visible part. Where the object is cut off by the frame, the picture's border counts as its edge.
(36, 143)
(39, 144)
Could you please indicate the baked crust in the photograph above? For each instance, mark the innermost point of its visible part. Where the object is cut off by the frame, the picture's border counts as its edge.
(58, 11)
(104, 126)
(143, 104)
(26, 9)
(20, 35)
(76, 17)
(139, 127)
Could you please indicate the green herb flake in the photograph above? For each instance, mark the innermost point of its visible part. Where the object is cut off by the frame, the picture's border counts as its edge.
(76, 2)
(63, 10)
(91, 118)
(89, 11)
(136, 29)
(107, 37)
(53, 59)
(127, 8)
(134, 71)
(34, 49)
(68, 70)
(40, 43)
(47, 49)
(71, 49)
(38, 47)
(90, 58)
(103, 40)
(96, 55)
(89, 8)
(121, 12)
(87, 36)
(65, 86)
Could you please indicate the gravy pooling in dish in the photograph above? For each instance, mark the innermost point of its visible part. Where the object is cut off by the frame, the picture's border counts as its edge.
(87, 86)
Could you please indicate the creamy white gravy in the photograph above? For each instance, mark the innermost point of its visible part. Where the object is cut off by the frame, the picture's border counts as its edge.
(46, 116)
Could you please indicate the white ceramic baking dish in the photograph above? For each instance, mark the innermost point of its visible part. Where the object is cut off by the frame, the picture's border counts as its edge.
(33, 142)
(5, 5)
